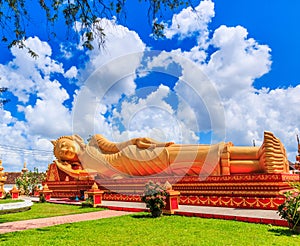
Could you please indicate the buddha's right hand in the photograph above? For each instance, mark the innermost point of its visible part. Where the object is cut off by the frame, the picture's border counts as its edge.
(145, 143)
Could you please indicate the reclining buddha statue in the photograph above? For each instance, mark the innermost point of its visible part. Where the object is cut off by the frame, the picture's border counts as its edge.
(140, 157)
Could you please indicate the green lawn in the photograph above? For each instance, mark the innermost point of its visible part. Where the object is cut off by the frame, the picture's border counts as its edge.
(140, 229)
(42, 210)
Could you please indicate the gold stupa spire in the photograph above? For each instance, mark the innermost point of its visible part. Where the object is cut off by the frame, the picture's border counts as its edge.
(24, 169)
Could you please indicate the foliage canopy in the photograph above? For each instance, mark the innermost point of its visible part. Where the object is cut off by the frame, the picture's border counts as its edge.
(82, 15)
(3, 100)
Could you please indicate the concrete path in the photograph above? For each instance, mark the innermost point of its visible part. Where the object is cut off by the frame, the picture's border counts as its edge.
(240, 214)
(251, 213)
(44, 222)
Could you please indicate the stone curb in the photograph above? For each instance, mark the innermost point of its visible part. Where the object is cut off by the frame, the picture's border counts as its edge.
(15, 206)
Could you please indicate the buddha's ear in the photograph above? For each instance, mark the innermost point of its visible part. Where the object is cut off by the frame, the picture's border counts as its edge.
(53, 142)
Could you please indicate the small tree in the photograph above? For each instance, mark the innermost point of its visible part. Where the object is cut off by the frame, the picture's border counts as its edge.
(29, 181)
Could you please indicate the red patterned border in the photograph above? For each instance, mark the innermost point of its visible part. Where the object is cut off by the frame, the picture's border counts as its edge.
(121, 197)
(195, 179)
(230, 202)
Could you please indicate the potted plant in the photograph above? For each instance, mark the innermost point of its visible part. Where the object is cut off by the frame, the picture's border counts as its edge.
(155, 198)
(88, 203)
(42, 198)
(290, 208)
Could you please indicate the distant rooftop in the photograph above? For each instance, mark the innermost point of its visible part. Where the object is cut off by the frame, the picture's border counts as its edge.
(11, 177)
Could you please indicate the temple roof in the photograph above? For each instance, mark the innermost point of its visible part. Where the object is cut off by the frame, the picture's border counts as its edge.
(11, 177)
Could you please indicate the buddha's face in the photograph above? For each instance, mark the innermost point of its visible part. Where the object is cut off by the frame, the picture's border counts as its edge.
(66, 149)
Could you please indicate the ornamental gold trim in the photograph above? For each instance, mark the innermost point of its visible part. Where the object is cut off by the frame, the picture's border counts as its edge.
(270, 203)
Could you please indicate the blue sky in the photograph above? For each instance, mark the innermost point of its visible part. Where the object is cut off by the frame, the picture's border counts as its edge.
(227, 73)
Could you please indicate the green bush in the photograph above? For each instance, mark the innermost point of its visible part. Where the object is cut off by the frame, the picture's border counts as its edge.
(290, 208)
(155, 197)
(7, 195)
(89, 202)
(42, 198)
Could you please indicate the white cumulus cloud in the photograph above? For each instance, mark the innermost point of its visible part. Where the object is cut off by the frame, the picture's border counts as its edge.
(214, 91)
(190, 21)
(41, 111)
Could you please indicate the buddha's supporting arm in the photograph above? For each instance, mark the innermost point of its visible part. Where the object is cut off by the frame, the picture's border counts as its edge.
(77, 173)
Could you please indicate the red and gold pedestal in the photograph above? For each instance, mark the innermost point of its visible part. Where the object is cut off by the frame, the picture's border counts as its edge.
(95, 194)
(14, 192)
(46, 192)
(172, 202)
(3, 178)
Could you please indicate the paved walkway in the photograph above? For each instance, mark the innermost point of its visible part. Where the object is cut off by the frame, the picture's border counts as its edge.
(123, 208)
(247, 215)
(44, 222)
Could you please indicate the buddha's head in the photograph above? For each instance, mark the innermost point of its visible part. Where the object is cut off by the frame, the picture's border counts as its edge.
(65, 148)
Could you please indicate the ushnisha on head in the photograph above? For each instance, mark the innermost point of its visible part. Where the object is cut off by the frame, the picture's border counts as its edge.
(65, 148)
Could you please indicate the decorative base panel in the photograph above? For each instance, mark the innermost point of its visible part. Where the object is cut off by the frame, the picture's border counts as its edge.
(232, 202)
(260, 191)
(69, 189)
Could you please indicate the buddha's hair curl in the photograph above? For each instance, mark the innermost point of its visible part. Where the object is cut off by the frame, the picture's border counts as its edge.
(55, 145)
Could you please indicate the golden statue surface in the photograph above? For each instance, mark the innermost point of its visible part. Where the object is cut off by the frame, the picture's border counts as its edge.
(140, 157)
